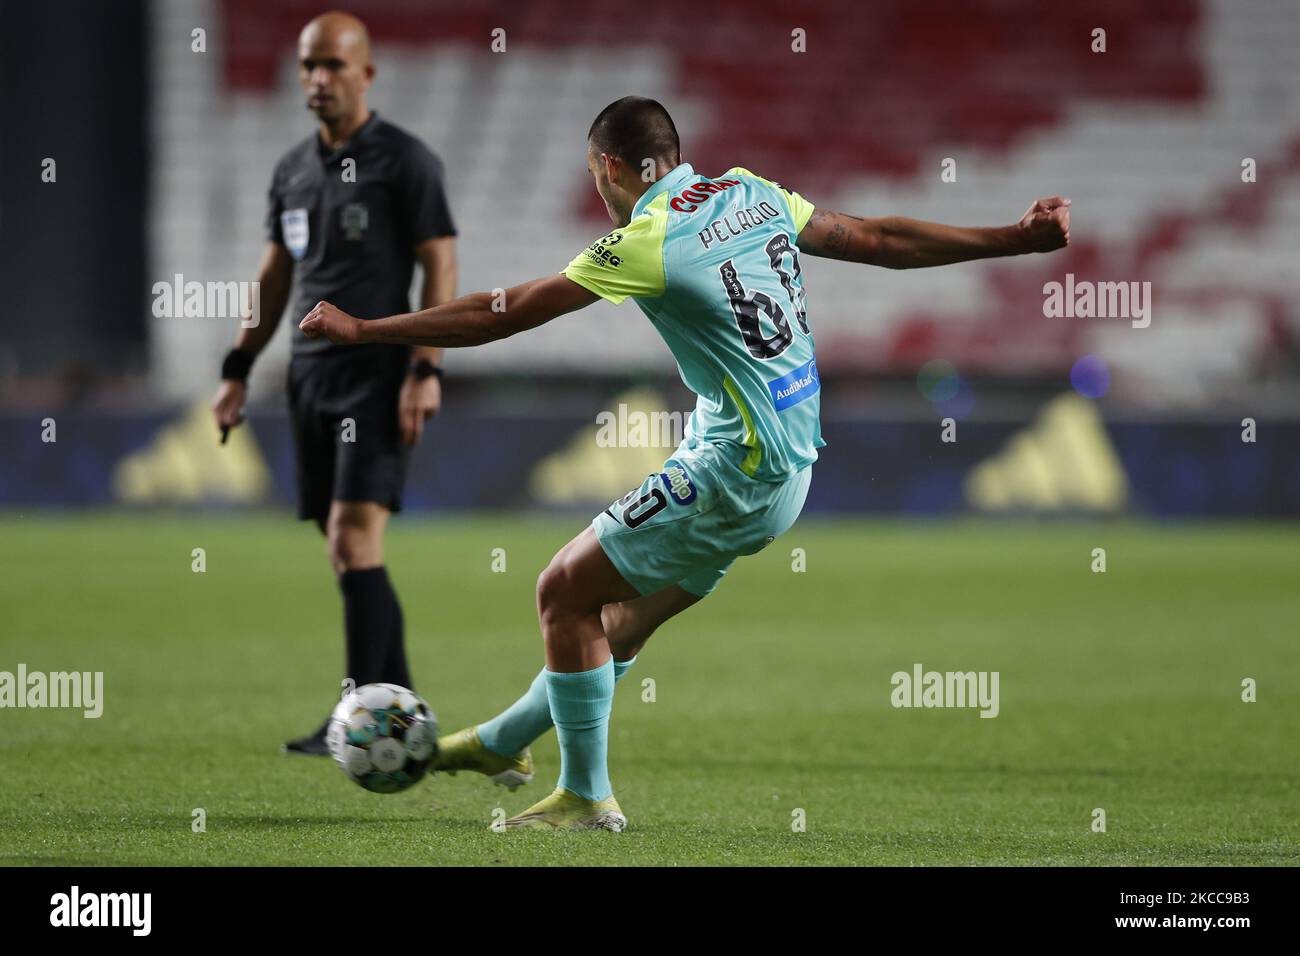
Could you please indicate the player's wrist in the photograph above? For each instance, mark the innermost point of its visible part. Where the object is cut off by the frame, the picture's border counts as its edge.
(366, 333)
(1010, 240)
(236, 365)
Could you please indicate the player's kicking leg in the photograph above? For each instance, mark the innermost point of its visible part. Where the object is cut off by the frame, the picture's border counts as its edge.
(672, 539)
(499, 748)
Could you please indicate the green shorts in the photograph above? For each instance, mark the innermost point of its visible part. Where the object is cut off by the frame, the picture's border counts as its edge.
(689, 521)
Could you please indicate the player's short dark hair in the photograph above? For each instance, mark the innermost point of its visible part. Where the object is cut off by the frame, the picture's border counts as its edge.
(635, 129)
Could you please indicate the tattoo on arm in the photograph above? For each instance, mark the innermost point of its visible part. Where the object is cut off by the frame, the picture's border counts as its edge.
(830, 234)
(838, 241)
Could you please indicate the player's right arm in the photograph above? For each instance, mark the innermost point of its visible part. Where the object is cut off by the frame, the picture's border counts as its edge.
(473, 319)
(275, 279)
(626, 262)
(896, 242)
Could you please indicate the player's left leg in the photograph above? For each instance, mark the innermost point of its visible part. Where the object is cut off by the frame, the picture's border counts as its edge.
(499, 748)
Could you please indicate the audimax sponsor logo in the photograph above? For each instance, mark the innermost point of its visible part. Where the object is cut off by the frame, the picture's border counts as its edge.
(793, 387)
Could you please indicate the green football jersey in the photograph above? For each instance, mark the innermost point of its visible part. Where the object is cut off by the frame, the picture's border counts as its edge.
(714, 265)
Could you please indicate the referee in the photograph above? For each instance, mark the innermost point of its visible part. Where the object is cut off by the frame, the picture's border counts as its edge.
(351, 209)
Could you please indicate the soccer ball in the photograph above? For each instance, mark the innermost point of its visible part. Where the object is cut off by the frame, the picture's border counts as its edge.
(383, 737)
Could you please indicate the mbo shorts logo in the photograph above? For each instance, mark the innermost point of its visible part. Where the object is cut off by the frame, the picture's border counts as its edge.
(793, 388)
(678, 482)
(293, 224)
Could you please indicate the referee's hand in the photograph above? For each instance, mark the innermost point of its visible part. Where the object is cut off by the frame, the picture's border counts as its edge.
(416, 404)
(327, 321)
(228, 406)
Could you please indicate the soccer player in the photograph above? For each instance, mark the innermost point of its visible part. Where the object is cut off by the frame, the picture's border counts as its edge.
(713, 262)
(352, 208)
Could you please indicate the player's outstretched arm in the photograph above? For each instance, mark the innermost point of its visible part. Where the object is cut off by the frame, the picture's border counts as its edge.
(470, 320)
(899, 243)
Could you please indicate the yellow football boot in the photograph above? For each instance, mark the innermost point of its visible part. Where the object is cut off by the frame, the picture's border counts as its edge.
(563, 810)
(464, 751)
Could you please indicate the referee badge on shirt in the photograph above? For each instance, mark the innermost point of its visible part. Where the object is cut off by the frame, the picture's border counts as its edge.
(354, 220)
(293, 224)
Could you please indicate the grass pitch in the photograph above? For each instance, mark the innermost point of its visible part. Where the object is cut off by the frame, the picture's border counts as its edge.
(1120, 691)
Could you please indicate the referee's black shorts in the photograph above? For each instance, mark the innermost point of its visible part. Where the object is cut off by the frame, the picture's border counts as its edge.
(361, 460)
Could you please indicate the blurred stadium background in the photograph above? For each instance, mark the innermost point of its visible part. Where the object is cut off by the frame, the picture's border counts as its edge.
(1123, 690)
(164, 155)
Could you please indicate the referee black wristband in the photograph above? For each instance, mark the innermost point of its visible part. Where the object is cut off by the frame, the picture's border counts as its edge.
(236, 365)
(423, 368)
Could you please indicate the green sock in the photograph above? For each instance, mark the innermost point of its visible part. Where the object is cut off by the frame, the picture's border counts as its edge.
(580, 706)
(529, 717)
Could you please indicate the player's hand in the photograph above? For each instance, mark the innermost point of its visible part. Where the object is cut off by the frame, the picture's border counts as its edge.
(418, 401)
(327, 321)
(1046, 226)
(228, 406)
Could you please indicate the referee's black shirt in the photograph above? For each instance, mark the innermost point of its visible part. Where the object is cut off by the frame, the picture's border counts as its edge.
(352, 227)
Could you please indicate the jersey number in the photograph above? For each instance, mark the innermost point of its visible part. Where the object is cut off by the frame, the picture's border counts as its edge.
(750, 307)
(649, 505)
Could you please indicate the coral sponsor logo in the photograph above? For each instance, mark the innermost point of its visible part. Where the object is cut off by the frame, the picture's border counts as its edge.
(689, 200)
(794, 387)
